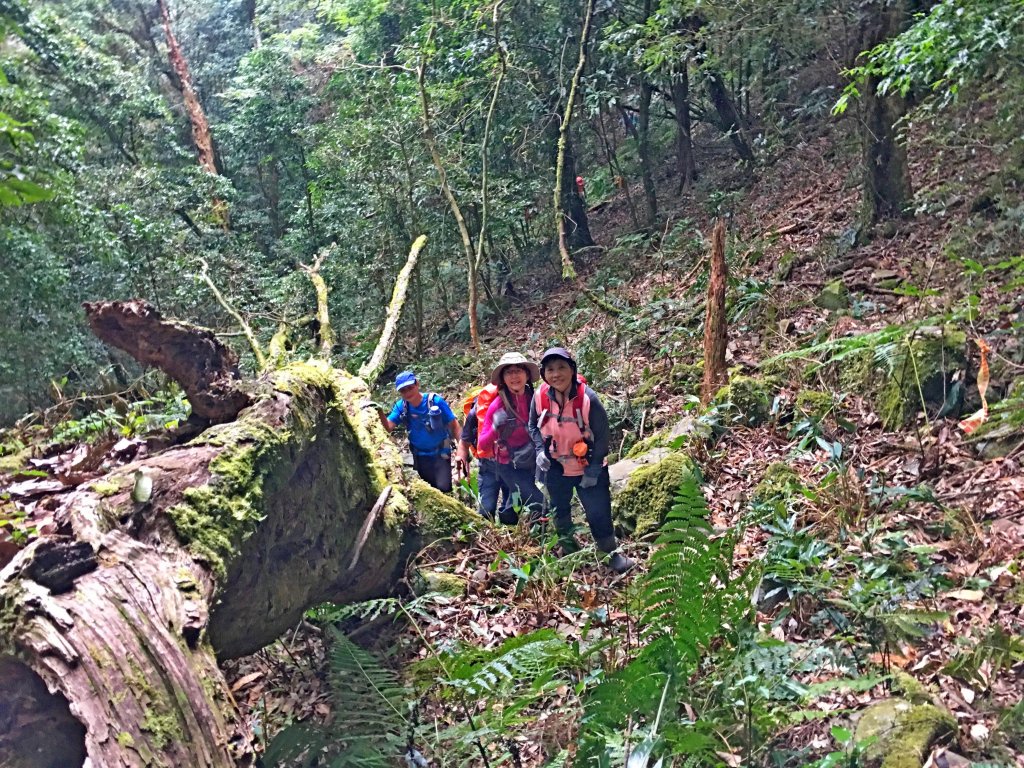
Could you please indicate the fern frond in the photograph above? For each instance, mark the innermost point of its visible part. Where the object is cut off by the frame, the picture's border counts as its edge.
(529, 660)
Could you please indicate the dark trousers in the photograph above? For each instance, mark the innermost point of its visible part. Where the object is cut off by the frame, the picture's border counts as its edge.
(435, 470)
(596, 501)
(521, 488)
(490, 486)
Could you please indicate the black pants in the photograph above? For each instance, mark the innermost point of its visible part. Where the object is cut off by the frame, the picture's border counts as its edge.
(522, 488)
(490, 487)
(596, 501)
(436, 470)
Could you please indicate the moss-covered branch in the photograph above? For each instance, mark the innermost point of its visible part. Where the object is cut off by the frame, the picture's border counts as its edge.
(372, 368)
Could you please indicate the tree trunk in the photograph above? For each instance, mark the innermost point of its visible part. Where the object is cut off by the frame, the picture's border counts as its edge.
(577, 224)
(729, 116)
(685, 164)
(887, 190)
(644, 151)
(111, 624)
(202, 138)
(715, 326)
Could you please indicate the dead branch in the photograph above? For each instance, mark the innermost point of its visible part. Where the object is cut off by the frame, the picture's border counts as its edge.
(372, 368)
(322, 313)
(254, 344)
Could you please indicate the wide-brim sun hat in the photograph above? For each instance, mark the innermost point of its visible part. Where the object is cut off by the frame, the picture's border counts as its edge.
(514, 358)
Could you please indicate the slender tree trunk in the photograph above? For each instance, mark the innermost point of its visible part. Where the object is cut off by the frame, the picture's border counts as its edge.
(887, 189)
(685, 163)
(435, 155)
(613, 165)
(202, 138)
(730, 117)
(644, 150)
(576, 223)
(562, 158)
(715, 325)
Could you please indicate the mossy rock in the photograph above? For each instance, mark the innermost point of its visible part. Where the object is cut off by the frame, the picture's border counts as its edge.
(641, 506)
(664, 438)
(750, 396)
(439, 582)
(686, 378)
(439, 514)
(814, 405)
(835, 296)
(917, 371)
(779, 484)
(905, 732)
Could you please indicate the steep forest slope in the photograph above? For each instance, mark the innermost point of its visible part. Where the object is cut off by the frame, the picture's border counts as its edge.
(831, 547)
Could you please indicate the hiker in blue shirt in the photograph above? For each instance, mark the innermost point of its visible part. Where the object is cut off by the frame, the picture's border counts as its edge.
(431, 426)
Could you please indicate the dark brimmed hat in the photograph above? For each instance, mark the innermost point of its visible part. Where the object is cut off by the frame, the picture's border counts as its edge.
(557, 352)
(514, 358)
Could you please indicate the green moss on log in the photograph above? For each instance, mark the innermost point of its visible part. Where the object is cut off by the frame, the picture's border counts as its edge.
(641, 506)
(439, 515)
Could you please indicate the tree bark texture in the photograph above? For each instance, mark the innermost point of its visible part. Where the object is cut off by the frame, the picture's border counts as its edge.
(372, 368)
(112, 623)
(715, 326)
(887, 189)
(685, 163)
(729, 116)
(430, 140)
(644, 151)
(564, 161)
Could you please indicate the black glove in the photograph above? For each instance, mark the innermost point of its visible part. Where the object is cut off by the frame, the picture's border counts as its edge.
(590, 478)
(500, 419)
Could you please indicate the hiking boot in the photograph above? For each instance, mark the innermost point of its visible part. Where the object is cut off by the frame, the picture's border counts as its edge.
(619, 563)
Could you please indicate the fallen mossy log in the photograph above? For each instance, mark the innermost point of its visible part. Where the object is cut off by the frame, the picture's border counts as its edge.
(111, 625)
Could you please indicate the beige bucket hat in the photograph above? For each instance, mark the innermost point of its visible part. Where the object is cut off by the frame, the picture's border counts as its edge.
(514, 358)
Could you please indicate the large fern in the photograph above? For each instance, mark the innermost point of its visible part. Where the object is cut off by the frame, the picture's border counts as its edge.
(371, 703)
(688, 598)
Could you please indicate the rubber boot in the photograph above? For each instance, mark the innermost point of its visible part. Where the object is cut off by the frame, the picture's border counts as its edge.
(617, 561)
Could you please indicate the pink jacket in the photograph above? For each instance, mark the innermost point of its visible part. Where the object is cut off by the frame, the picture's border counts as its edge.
(518, 435)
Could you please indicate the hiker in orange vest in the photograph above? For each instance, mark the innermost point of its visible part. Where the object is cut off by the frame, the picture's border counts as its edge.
(489, 486)
(503, 430)
(569, 428)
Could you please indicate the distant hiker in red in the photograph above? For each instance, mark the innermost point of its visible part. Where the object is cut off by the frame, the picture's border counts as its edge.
(569, 428)
(489, 486)
(503, 430)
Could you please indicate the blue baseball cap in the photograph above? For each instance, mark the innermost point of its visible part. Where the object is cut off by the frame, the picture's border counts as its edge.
(404, 379)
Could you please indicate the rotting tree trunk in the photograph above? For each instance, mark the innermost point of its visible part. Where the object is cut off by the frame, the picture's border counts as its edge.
(206, 369)
(715, 326)
(112, 624)
(202, 137)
